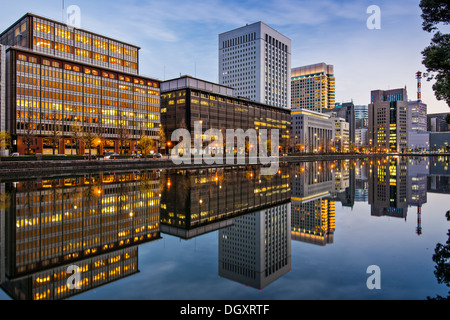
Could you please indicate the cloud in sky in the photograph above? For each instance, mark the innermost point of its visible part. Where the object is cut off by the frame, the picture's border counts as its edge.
(181, 36)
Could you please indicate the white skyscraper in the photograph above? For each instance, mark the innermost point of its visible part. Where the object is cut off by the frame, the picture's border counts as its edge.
(255, 60)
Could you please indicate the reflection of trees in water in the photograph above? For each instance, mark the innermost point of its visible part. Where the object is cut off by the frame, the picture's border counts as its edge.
(442, 259)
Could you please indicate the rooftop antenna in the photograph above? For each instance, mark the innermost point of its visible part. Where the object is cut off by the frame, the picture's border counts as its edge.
(63, 12)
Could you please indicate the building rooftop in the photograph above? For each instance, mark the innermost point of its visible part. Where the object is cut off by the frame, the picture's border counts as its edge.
(63, 24)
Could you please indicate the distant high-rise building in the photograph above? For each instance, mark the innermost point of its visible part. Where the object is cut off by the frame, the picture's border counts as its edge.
(361, 116)
(436, 122)
(388, 115)
(346, 111)
(417, 116)
(313, 87)
(255, 60)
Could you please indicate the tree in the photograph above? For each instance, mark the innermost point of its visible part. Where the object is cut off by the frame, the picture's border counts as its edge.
(77, 130)
(90, 139)
(123, 134)
(5, 141)
(441, 257)
(145, 144)
(28, 137)
(56, 132)
(162, 136)
(436, 57)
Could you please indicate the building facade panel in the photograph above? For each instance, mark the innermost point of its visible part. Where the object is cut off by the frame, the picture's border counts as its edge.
(50, 94)
(256, 61)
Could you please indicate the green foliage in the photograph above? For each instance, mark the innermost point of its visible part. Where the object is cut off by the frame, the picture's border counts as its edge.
(434, 12)
(436, 57)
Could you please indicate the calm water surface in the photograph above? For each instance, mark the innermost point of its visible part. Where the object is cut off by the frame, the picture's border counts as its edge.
(309, 232)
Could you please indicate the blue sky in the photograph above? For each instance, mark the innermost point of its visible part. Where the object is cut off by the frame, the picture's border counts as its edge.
(181, 37)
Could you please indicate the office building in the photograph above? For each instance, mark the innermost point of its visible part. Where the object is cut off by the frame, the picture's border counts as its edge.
(341, 133)
(436, 122)
(361, 137)
(255, 60)
(53, 91)
(346, 111)
(311, 131)
(361, 116)
(388, 115)
(440, 141)
(313, 87)
(57, 39)
(417, 116)
(187, 100)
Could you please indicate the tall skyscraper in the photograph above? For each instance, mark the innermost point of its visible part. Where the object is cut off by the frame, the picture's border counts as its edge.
(388, 114)
(313, 87)
(255, 60)
(361, 116)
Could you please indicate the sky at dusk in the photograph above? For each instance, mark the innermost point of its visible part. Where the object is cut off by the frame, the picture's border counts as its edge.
(181, 37)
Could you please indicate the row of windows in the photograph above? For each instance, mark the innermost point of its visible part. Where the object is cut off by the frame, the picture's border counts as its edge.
(67, 34)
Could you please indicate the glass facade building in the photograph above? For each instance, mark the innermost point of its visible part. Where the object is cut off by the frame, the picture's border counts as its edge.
(59, 40)
(52, 93)
(187, 100)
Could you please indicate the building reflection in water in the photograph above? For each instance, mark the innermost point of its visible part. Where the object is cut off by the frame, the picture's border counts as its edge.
(388, 192)
(315, 185)
(195, 202)
(97, 222)
(256, 249)
(94, 222)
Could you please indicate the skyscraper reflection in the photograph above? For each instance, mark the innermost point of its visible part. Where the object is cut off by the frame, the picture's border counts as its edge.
(256, 249)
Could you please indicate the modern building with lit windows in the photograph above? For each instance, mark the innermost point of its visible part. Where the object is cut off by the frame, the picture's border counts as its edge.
(388, 116)
(57, 39)
(313, 87)
(60, 79)
(187, 100)
(255, 60)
